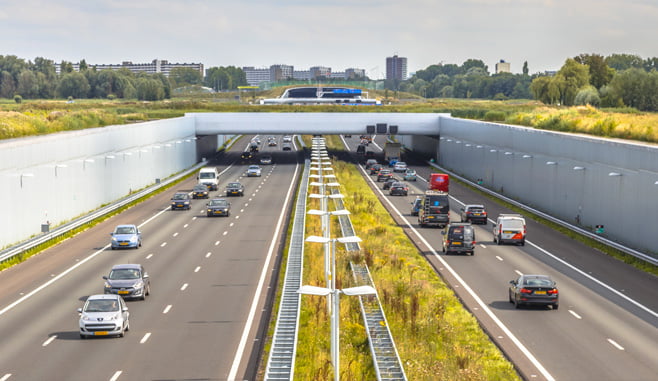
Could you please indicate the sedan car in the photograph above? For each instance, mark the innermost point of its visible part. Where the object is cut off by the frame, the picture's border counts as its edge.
(398, 188)
(400, 166)
(126, 236)
(384, 174)
(266, 159)
(181, 200)
(534, 290)
(410, 175)
(129, 281)
(218, 207)
(235, 189)
(200, 191)
(104, 315)
(375, 168)
(473, 213)
(253, 171)
(389, 181)
(246, 155)
(370, 163)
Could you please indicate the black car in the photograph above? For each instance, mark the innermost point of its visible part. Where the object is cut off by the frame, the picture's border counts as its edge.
(375, 168)
(389, 182)
(200, 191)
(534, 290)
(218, 207)
(235, 189)
(246, 155)
(181, 200)
(398, 188)
(415, 206)
(384, 174)
(459, 237)
(473, 214)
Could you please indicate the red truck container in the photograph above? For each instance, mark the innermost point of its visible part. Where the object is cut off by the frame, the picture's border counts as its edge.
(439, 181)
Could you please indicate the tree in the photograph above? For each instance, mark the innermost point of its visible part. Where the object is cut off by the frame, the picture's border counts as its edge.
(185, 76)
(588, 95)
(74, 85)
(7, 85)
(571, 77)
(599, 71)
(28, 86)
(471, 63)
(149, 89)
(621, 62)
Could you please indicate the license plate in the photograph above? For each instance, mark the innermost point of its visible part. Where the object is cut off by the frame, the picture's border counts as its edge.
(124, 292)
(101, 333)
(540, 292)
(179, 205)
(456, 243)
(507, 232)
(123, 243)
(218, 212)
(477, 214)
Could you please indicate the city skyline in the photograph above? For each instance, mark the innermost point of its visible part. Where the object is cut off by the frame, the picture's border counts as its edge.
(339, 35)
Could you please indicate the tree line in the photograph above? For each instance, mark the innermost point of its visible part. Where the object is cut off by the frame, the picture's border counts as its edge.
(618, 80)
(38, 79)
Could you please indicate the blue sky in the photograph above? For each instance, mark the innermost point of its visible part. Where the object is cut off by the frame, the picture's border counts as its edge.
(338, 33)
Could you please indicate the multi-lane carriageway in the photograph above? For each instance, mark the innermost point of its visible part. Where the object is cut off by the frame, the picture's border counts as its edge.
(210, 277)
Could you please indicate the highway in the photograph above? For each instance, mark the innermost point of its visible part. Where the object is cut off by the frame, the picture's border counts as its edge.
(209, 279)
(606, 327)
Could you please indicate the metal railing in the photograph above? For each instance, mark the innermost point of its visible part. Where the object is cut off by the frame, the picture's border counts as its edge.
(281, 361)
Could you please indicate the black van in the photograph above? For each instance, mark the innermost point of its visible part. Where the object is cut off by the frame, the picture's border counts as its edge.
(459, 237)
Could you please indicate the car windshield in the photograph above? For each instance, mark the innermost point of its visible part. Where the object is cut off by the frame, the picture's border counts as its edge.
(253, 167)
(206, 175)
(218, 203)
(125, 230)
(234, 185)
(200, 188)
(101, 305)
(118, 274)
(180, 196)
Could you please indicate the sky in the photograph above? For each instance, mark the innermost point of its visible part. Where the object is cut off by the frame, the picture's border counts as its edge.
(340, 34)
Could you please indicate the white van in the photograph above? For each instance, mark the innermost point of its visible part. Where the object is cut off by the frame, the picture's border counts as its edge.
(209, 176)
(509, 228)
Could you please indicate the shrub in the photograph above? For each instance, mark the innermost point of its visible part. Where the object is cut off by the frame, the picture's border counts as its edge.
(18, 98)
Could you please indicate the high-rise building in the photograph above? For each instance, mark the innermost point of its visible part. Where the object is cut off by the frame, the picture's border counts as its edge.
(320, 71)
(281, 72)
(156, 66)
(396, 68)
(503, 67)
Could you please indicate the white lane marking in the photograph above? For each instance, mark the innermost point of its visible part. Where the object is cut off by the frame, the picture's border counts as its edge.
(166, 309)
(241, 210)
(50, 340)
(186, 225)
(499, 258)
(163, 244)
(231, 224)
(225, 233)
(175, 234)
(145, 338)
(5, 377)
(116, 375)
(216, 243)
(196, 270)
(183, 287)
(614, 343)
(518, 272)
(208, 255)
(254, 303)
(575, 314)
(149, 256)
(483, 246)
(193, 218)
(470, 291)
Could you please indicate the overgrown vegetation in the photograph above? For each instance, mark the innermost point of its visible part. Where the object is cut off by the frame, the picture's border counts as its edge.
(435, 336)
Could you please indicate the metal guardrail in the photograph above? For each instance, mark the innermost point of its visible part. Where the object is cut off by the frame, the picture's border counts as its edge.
(61, 230)
(281, 361)
(637, 254)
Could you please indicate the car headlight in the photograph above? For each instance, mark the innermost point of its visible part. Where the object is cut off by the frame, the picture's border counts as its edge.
(133, 238)
(139, 284)
(210, 210)
(114, 239)
(107, 285)
(187, 202)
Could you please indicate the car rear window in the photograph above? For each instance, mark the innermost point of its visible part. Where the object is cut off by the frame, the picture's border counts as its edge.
(513, 224)
(438, 204)
(461, 233)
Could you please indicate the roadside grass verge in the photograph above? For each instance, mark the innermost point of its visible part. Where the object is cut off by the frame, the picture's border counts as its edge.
(437, 339)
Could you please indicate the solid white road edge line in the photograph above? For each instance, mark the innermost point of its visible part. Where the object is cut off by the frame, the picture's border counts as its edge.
(252, 312)
(5, 377)
(470, 291)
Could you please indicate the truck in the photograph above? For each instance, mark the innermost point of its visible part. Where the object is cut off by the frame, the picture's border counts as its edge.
(434, 209)
(209, 176)
(439, 182)
(392, 153)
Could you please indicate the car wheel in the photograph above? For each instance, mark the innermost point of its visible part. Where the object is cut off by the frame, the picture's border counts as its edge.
(208, 215)
(555, 306)
(82, 337)
(148, 289)
(498, 240)
(517, 305)
(113, 248)
(143, 297)
(523, 243)
(127, 326)
(509, 296)
(473, 253)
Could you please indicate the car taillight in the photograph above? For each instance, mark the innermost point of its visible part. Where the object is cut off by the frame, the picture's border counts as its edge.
(553, 291)
(448, 242)
(473, 242)
(525, 291)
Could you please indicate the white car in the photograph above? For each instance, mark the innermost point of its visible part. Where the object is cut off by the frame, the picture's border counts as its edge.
(253, 171)
(266, 159)
(104, 315)
(400, 166)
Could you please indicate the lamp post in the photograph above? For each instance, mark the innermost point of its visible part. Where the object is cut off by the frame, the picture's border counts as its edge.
(335, 316)
(328, 253)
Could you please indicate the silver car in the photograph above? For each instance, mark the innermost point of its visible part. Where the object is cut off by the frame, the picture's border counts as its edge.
(104, 315)
(129, 281)
(253, 170)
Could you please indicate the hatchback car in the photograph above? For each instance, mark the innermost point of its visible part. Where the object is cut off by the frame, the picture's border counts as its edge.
(218, 207)
(266, 159)
(253, 171)
(104, 315)
(398, 188)
(200, 191)
(129, 281)
(181, 200)
(459, 237)
(473, 213)
(370, 163)
(400, 166)
(384, 174)
(375, 168)
(126, 236)
(534, 290)
(410, 175)
(416, 205)
(246, 155)
(235, 189)
(389, 181)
